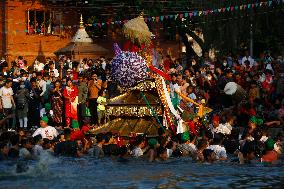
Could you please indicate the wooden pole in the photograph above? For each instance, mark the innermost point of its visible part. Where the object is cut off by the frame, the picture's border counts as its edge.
(28, 21)
(44, 24)
(35, 22)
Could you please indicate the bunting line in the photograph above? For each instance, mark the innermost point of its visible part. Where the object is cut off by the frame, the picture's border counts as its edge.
(199, 13)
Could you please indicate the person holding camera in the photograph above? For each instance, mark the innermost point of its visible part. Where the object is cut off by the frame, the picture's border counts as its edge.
(94, 86)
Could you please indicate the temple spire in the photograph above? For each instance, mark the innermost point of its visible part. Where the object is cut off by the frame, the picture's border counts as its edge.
(81, 22)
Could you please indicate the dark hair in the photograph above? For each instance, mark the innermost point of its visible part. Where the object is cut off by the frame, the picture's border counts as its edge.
(37, 138)
(170, 145)
(161, 150)
(2, 145)
(201, 144)
(14, 139)
(161, 131)
(218, 138)
(8, 81)
(99, 137)
(101, 92)
(206, 153)
(107, 136)
(38, 74)
(5, 64)
(46, 75)
(123, 150)
(249, 147)
(67, 132)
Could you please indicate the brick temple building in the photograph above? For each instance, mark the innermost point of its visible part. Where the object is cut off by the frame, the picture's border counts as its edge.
(35, 29)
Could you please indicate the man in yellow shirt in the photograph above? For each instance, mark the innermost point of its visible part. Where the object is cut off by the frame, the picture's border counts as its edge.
(94, 86)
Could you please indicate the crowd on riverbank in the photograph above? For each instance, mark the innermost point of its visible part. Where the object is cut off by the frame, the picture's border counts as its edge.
(52, 107)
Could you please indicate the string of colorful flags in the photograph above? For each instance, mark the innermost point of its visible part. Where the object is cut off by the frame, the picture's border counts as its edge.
(196, 13)
(190, 14)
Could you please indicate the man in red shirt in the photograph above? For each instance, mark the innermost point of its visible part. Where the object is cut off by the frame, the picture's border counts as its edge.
(271, 155)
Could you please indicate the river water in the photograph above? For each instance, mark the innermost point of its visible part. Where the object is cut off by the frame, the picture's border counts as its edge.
(87, 172)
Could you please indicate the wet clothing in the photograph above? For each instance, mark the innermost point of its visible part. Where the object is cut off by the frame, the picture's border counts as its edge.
(66, 148)
(219, 151)
(47, 132)
(111, 149)
(13, 153)
(269, 156)
(98, 152)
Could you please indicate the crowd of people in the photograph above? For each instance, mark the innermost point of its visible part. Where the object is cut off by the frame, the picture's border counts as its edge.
(52, 108)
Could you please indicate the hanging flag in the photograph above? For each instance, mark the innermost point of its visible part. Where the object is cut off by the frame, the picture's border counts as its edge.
(232, 8)
(171, 16)
(190, 14)
(153, 18)
(223, 9)
(103, 24)
(157, 19)
(181, 16)
(245, 6)
(269, 3)
(236, 7)
(241, 7)
(228, 9)
(249, 6)
(186, 14)
(94, 24)
(200, 13)
(219, 10)
(99, 24)
(166, 16)
(149, 19)
(252, 6)
(256, 4)
(162, 18)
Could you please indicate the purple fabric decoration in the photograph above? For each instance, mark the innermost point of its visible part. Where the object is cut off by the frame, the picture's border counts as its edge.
(128, 68)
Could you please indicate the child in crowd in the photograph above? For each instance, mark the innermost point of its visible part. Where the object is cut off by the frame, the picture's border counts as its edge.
(101, 106)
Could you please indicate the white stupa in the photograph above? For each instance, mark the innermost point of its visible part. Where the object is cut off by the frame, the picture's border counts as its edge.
(82, 46)
(81, 35)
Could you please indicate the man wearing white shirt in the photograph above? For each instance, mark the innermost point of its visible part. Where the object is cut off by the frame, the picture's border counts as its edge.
(52, 68)
(38, 66)
(68, 63)
(41, 84)
(191, 95)
(220, 151)
(6, 99)
(248, 58)
(45, 130)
